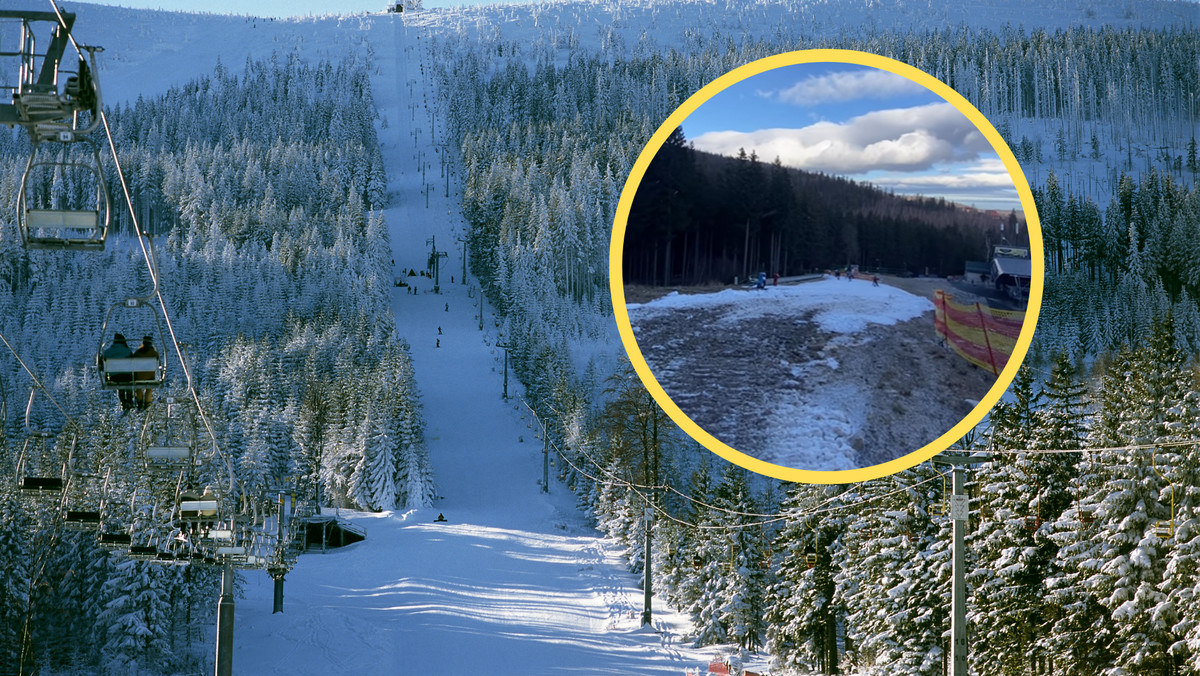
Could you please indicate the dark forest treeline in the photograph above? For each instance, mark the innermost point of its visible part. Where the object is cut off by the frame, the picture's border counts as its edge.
(699, 217)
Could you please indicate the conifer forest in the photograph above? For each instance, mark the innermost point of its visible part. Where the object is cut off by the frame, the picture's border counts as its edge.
(262, 186)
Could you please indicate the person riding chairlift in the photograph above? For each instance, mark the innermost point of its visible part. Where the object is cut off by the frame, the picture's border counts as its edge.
(119, 349)
(144, 396)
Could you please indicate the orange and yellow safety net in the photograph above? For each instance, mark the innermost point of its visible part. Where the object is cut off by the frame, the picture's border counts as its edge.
(981, 335)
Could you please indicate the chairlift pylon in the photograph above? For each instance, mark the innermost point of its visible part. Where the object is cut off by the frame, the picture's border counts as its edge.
(57, 106)
(47, 95)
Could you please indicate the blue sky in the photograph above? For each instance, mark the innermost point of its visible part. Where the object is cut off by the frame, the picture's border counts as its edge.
(860, 122)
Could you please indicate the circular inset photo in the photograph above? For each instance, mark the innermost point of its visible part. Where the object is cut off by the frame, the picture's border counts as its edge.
(826, 266)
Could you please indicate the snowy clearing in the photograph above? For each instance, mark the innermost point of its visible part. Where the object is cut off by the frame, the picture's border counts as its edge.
(828, 375)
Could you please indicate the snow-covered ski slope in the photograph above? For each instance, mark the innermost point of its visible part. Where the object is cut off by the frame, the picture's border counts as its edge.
(513, 581)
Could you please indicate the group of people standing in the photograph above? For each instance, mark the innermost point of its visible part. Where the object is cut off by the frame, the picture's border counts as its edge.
(128, 394)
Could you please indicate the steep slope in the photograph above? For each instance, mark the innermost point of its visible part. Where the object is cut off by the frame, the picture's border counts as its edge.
(514, 580)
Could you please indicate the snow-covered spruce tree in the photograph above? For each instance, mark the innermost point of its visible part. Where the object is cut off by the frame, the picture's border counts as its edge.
(743, 594)
(1117, 571)
(685, 574)
(893, 583)
(803, 623)
(1022, 495)
(14, 574)
(135, 611)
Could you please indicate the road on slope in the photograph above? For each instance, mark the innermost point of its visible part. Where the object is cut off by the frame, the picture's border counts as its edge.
(514, 581)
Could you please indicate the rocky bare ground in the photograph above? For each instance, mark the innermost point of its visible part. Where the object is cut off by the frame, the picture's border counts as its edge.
(780, 389)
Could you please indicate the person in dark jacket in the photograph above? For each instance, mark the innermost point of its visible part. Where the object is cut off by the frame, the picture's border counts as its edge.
(119, 349)
(144, 396)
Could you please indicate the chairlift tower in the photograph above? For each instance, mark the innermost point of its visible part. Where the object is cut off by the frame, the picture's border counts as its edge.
(58, 104)
(960, 511)
(435, 260)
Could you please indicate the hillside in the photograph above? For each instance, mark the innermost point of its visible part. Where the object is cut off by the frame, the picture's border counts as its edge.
(699, 217)
(287, 163)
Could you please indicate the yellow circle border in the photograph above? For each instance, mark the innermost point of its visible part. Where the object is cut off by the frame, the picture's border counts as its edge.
(676, 119)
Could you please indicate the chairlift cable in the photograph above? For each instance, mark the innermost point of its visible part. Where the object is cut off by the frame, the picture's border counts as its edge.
(147, 248)
(36, 381)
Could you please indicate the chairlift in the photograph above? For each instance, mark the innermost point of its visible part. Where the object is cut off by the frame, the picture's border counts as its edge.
(49, 99)
(48, 96)
(38, 482)
(131, 373)
(82, 518)
(168, 442)
(197, 509)
(1164, 528)
(112, 540)
(938, 508)
(143, 552)
(49, 216)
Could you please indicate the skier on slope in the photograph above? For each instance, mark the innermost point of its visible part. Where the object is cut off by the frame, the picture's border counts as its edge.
(762, 281)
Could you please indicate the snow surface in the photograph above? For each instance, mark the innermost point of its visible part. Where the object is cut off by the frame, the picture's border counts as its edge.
(808, 429)
(837, 306)
(514, 581)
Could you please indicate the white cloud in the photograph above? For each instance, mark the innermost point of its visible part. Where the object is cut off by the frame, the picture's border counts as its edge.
(845, 86)
(985, 183)
(900, 139)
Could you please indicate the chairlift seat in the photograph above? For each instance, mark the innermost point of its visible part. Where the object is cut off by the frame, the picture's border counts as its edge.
(84, 518)
(197, 510)
(143, 552)
(252, 561)
(131, 366)
(63, 219)
(114, 540)
(168, 454)
(71, 230)
(218, 534)
(40, 484)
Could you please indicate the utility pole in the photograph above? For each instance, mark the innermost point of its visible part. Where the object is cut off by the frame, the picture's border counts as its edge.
(646, 586)
(960, 511)
(545, 449)
(224, 665)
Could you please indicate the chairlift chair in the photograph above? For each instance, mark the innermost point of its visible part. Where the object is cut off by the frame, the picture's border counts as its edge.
(32, 482)
(143, 552)
(112, 540)
(47, 100)
(47, 94)
(198, 509)
(167, 449)
(74, 226)
(132, 373)
(82, 517)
